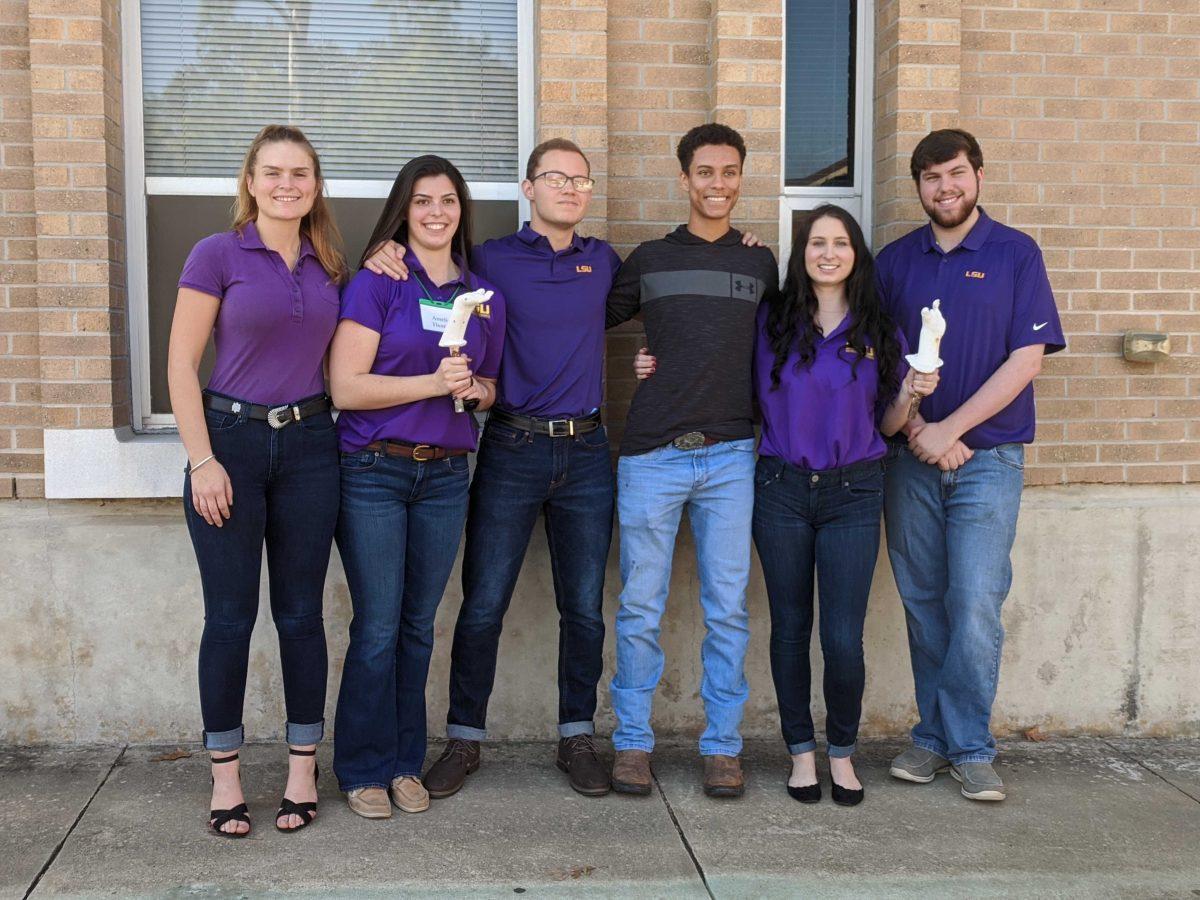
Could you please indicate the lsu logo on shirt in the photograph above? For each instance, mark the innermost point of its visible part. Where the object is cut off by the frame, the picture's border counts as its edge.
(970, 273)
(582, 269)
(870, 354)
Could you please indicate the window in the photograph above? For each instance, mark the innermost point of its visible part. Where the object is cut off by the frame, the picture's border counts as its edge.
(371, 85)
(826, 111)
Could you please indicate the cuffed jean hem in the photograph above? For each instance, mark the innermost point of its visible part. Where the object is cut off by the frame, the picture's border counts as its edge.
(466, 733)
(932, 747)
(721, 750)
(836, 752)
(649, 748)
(408, 774)
(571, 729)
(802, 747)
(224, 741)
(347, 788)
(302, 735)
(965, 758)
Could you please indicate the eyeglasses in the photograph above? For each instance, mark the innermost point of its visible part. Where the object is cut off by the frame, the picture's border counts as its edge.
(558, 181)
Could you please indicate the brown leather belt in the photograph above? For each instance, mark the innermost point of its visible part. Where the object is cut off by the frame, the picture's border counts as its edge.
(415, 452)
(694, 440)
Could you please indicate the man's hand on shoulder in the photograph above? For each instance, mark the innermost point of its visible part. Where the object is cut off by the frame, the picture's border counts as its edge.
(750, 239)
(388, 259)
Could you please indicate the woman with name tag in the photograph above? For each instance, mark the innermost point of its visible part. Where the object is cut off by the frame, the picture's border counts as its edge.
(262, 454)
(829, 377)
(404, 474)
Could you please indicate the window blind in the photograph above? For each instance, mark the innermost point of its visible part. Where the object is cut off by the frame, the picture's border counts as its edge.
(372, 83)
(819, 146)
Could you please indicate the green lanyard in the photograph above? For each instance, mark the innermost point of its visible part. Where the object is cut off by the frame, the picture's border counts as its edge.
(432, 301)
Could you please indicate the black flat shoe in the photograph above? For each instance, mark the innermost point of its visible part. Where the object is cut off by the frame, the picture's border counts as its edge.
(809, 793)
(845, 796)
(306, 811)
(217, 818)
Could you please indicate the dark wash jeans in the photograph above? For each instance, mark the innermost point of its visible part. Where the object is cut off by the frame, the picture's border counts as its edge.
(517, 475)
(398, 533)
(829, 521)
(285, 492)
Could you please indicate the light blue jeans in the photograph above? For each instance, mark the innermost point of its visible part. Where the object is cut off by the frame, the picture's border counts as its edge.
(949, 539)
(716, 486)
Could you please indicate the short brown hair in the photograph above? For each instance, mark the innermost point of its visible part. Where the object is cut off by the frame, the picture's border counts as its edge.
(942, 146)
(545, 147)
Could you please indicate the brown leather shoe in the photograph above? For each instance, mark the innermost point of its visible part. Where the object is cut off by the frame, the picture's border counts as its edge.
(631, 772)
(723, 776)
(447, 775)
(579, 757)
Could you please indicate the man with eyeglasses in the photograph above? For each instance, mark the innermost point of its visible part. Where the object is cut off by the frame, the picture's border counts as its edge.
(544, 450)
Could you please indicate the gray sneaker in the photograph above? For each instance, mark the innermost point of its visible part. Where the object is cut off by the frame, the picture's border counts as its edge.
(979, 781)
(919, 765)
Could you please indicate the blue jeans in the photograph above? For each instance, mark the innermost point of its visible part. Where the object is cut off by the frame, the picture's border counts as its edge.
(398, 533)
(517, 475)
(949, 539)
(285, 494)
(828, 521)
(716, 485)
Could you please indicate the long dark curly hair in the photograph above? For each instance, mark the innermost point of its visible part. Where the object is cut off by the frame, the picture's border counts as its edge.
(791, 314)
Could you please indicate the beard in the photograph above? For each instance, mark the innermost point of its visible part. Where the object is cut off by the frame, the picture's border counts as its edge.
(952, 218)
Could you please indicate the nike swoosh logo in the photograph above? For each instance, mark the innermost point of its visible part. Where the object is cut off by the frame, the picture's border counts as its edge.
(1040, 327)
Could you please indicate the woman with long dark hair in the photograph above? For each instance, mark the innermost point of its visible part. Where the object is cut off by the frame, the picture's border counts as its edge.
(262, 453)
(830, 376)
(404, 474)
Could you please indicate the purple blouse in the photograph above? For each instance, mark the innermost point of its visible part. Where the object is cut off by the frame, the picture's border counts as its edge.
(821, 416)
(273, 326)
(403, 313)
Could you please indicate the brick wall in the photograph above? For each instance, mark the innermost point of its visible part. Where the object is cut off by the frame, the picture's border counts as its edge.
(20, 417)
(1088, 112)
(572, 96)
(75, 63)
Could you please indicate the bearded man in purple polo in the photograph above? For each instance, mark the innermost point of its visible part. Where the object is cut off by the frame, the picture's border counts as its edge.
(952, 494)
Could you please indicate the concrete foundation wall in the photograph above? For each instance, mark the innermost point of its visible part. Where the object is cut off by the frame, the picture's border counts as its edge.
(100, 615)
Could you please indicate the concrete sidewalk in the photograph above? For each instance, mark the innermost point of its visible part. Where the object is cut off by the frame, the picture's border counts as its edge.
(1085, 817)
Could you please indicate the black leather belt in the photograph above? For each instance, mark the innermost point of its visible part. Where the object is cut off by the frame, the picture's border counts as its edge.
(552, 427)
(275, 416)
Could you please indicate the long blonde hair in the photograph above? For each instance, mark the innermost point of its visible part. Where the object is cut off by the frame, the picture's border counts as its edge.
(318, 224)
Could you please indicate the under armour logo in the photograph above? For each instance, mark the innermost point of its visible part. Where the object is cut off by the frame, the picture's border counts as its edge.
(744, 287)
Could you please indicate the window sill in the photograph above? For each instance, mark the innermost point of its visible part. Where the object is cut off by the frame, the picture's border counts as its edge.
(112, 463)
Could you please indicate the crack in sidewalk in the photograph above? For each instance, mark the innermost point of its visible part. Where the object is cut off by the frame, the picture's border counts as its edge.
(683, 837)
(58, 848)
(1149, 769)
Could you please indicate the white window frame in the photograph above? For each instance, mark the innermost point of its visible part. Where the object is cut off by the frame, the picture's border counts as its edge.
(138, 187)
(858, 198)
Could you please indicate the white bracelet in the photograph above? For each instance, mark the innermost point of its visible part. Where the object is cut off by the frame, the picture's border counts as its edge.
(208, 458)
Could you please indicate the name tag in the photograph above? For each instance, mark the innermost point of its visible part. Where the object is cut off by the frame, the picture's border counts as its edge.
(435, 316)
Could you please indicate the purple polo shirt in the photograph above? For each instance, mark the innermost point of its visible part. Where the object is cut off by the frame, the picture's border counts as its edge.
(273, 326)
(825, 415)
(408, 347)
(554, 345)
(996, 298)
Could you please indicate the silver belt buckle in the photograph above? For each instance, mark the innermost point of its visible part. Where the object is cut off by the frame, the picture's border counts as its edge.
(281, 416)
(567, 425)
(693, 440)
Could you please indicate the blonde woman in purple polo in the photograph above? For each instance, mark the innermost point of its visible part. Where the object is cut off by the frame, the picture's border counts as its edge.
(262, 454)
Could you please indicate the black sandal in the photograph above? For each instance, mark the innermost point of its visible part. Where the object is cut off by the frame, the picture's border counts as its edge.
(218, 818)
(306, 811)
